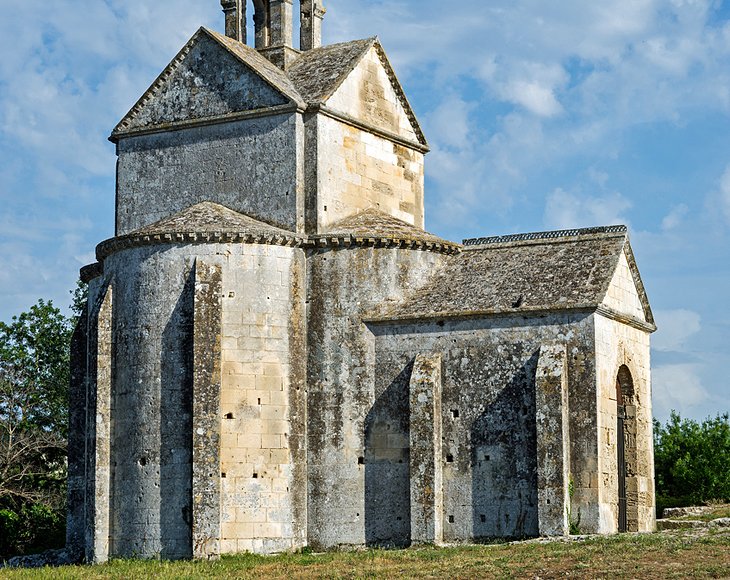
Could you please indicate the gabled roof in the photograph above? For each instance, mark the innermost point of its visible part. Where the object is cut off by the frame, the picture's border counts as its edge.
(318, 73)
(540, 272)
(276, 77)
(200, 223)
(246, 55)
(373, 223)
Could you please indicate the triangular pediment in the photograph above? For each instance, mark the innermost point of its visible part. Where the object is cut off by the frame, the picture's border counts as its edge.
(356, 79)
(626, 294)
(212, 77)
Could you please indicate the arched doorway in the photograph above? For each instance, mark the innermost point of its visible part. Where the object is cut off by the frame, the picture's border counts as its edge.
(626, 454)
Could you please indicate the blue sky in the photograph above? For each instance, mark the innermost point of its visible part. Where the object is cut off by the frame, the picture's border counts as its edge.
(540, 115)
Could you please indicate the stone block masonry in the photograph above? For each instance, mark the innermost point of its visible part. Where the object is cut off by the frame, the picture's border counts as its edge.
(275, 354)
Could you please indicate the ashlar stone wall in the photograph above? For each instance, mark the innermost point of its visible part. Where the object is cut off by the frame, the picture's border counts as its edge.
(346, 428)
(621, 344)
(254, 166)
(489, 424)
(367, 94)
(199, 372)
(356, 168)
(263, 402)
(151, 403)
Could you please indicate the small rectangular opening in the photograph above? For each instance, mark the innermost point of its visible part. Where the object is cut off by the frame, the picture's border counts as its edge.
(449, 458)
(223, 475)
(255, 475)
(483, 518)
(451, 519)
(361, 461)
(229, 415)
(455, 413)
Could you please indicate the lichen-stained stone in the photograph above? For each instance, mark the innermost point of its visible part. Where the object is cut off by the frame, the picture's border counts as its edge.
(211, 77)
(425, 451)
(553, 441)
(291, 360)
(206, 423)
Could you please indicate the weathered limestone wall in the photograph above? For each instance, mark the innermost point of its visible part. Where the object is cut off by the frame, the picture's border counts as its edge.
(218, 328)
(622, 295)
(490, 438)
(263, 401)
(343, 437)
(553, 441)
(357, 170)
(89, 428)
(619, 344)
(367, 95)
(154, 179)
(151, 455)
(206, 82)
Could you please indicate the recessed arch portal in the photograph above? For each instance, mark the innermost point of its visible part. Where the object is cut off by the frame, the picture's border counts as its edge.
(626, 452)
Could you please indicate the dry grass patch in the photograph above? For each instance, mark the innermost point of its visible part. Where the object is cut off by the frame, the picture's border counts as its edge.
(678, 554)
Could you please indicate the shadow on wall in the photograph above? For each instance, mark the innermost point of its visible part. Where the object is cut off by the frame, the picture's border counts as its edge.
(387, 466)
(176, 398)
(504, 461)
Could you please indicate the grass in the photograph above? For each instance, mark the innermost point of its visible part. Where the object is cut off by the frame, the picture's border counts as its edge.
(677, 554)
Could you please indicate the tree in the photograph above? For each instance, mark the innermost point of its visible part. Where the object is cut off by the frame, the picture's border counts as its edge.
(34, 378)
(692, 460)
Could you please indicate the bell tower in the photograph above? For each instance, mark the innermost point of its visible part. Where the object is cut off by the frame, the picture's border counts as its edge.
(273, 27)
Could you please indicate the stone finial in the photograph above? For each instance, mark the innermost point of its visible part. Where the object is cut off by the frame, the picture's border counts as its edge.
(312, 14)
(235, 11)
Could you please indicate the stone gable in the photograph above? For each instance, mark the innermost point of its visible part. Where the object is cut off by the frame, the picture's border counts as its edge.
(208, 79)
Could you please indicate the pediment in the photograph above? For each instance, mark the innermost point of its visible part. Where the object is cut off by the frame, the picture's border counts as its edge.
(356, 79)
(212, 77)
(372, 93)
(626, 294)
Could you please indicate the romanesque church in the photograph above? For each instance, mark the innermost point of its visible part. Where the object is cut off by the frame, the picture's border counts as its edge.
(275, 353)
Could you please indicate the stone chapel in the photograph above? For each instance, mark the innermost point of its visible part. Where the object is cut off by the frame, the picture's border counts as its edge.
(275, 353)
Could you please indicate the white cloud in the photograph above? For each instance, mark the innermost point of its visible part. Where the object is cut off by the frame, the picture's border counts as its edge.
(679, 387)
(536, 98)
(675, 328)
(675, 217)
(449, 123)
(568, 210)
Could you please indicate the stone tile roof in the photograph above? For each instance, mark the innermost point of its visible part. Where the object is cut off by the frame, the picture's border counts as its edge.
(547, 271)
(209, 222)
(375, 224)
(318, 73)
(200, 223)
(268, 71)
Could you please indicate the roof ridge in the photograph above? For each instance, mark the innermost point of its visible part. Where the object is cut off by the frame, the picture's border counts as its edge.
(546, 235)
(343, 74)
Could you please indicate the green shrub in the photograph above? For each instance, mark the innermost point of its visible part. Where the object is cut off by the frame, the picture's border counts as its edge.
(32, 529)
(692, 461)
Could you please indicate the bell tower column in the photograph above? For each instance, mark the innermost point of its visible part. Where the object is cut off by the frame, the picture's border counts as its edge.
(235, 11)
(312, 14)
